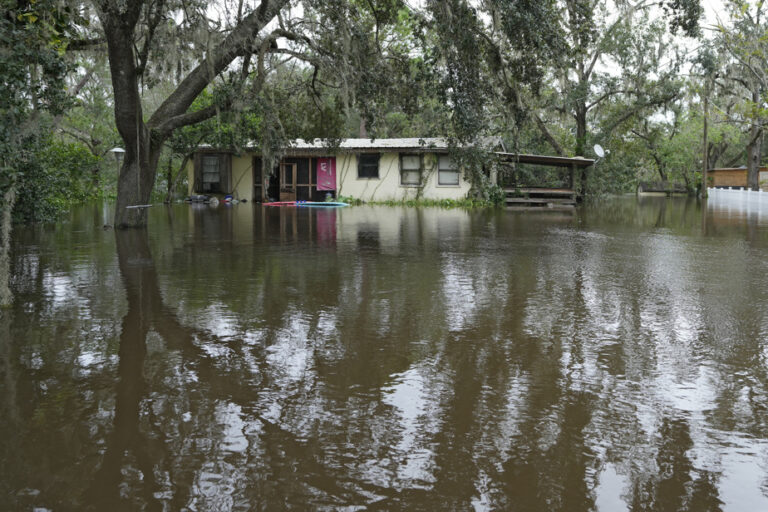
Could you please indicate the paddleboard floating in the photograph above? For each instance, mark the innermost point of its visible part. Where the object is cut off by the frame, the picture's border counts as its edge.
(314, 204)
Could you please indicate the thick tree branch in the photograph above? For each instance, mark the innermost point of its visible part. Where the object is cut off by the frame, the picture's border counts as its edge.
(733, 161)
(152, 22)
(82, 83)
(189, 118)
(644, 137)
(77, 135)
(85, 44)
(604, 97)
(237, 43)
(298, 55)
(547, 135)
(638, 108)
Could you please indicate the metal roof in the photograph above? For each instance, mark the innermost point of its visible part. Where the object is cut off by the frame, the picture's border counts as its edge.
(557, 161)
(300, 147)
(419, 144)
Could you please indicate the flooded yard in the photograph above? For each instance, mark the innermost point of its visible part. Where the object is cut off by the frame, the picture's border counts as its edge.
(377, 358)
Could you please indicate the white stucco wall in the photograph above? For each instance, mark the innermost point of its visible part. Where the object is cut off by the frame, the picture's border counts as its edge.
(384, 188)
(242, 177)
(387, 186)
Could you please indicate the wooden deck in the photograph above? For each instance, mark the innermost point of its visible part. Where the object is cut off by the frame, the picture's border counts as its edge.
(560, 198)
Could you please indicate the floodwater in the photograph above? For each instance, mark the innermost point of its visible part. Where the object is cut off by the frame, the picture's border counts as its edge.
(246, 358)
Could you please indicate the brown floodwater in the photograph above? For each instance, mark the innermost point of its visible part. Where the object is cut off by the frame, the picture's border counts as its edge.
(374, 358)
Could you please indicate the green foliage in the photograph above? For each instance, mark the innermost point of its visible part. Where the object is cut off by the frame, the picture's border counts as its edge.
(58, 175)
(426, 203)
(33, 70)
(684, 15)
(34, 36)
(589, 69)
(90, 120)
(350, 200)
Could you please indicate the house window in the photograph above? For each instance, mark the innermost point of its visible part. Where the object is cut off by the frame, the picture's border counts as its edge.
(410, 170)
(211, 173)
(368, 166)
(447, 171)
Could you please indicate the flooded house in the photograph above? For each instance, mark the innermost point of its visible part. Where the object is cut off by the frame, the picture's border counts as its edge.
(734, 177)
(367, 169)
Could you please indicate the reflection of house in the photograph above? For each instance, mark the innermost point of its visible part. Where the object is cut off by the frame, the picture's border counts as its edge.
(734, 177)
(379, 169)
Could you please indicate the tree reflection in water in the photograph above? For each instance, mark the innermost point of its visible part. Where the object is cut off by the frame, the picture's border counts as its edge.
(148, 454)
(386, 360)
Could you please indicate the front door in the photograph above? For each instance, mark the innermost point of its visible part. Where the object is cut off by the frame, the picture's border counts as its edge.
(287, 182)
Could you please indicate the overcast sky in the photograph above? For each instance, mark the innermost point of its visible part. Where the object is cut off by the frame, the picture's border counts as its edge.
(711, 9)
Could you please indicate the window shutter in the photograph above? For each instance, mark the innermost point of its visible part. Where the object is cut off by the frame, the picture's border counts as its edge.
(198, 168)
(258, 179)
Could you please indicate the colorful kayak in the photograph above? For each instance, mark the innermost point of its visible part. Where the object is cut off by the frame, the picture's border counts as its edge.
(316, 204)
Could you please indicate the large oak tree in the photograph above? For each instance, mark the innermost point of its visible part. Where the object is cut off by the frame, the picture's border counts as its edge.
(232, 46)
(144, 138)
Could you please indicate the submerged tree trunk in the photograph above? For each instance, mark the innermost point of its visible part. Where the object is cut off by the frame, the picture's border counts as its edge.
(169, 181)
(754, 151)
(136, 175)
(705, 158)
(581, 142)
(136, 181)
(6, 207)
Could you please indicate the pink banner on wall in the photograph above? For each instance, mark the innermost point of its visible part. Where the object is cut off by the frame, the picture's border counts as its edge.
(326, 173)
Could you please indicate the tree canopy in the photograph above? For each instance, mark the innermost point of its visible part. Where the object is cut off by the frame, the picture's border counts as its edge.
(550, 77)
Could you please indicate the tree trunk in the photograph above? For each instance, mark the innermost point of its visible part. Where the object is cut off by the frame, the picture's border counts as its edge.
(169, 181)
(136, 181)
(661, 168)
(581, 130)
(706, 146)
(663, 175)
(753, 155)
(581, 142)
(96, 178)
(6, 207)
(548, 136)
(134, 184)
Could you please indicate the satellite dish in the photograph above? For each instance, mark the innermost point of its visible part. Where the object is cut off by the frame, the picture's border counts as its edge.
(599, 151)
